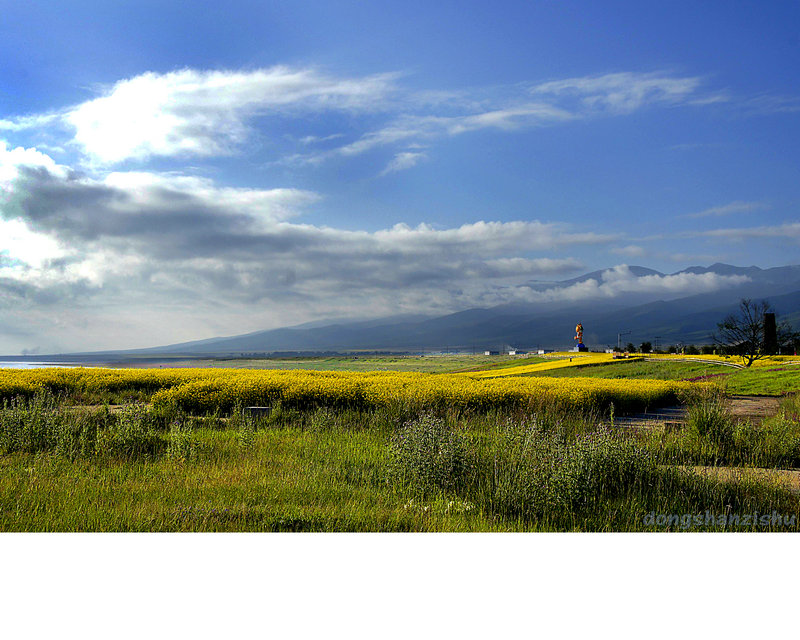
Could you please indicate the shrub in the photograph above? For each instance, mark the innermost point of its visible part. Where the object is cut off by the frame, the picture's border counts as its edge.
(536, 474)
(427, 454)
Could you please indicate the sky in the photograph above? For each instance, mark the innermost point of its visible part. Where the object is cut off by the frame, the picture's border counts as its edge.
(174, 171)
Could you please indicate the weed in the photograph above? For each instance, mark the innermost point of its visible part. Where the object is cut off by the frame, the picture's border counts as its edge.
(428, 455)
(245, 426)
(183, 445)
(534, 474)
(709, 416)
(131, 435)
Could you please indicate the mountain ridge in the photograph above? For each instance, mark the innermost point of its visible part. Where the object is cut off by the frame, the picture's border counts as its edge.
(690, 318)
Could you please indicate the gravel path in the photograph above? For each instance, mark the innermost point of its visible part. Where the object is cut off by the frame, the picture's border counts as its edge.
(752, 408)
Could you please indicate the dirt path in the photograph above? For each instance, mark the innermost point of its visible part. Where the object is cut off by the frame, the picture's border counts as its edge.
(752, 408)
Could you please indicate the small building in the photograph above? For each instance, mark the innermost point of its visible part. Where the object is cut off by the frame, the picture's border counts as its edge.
(491, 353)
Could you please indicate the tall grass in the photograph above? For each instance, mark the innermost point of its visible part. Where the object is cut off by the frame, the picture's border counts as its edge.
(525, 469)
(43, 424)
(714, 437)
(387, 469)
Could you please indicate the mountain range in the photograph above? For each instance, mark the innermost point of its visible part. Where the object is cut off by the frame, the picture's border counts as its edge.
(650, 308)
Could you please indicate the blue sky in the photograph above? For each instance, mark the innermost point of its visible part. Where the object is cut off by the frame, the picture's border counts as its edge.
(172, 171)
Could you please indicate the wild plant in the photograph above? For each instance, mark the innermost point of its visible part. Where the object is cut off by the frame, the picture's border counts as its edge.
(130, 435)
(29, 425)
(709, 417)
(76, 437)
(322, 419)
(183, 444)
(532, 471)
(427, 454)
(245, 427)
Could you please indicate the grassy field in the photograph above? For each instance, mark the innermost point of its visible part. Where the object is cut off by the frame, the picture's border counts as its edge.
(766, 378)
(755, 381)
(322, 462)
(66, 468)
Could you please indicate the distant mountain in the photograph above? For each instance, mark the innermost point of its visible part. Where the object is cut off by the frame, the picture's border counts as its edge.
(647, 316)
(538, 285)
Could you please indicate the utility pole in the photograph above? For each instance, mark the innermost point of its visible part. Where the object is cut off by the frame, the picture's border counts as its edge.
(619, 337)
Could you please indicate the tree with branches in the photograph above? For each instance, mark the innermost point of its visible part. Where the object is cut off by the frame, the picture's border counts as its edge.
(748, 335)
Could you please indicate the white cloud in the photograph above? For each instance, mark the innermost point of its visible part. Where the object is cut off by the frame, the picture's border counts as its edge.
(169, 191)
(555, 103)
(25, 249)
(620, 281)
(404, 160)
(177, 239)
(507, 267)
(209, 113)
(631, 251)
(733, 207)
(788, 231)
(12, 159)
(621, 93)
(29, 122)
(206, 113)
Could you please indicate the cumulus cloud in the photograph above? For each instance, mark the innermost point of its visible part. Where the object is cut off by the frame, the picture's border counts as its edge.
(127, 249)
(631, 251)
(181, 238)
(182, 246)
(177, 237)
(621, 280)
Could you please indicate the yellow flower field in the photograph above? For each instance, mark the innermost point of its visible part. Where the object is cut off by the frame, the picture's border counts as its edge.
(569, 359)
(205, 390)
(557, 361)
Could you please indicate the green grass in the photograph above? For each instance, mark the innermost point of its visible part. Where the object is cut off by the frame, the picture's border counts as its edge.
(640, 369)
(753, 381)
(290, 480)
(713, 437)
(343, 471)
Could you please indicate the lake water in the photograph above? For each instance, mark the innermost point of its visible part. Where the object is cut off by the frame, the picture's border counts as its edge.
(17, 364)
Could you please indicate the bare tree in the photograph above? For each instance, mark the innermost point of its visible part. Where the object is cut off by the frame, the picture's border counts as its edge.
(743, 334)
